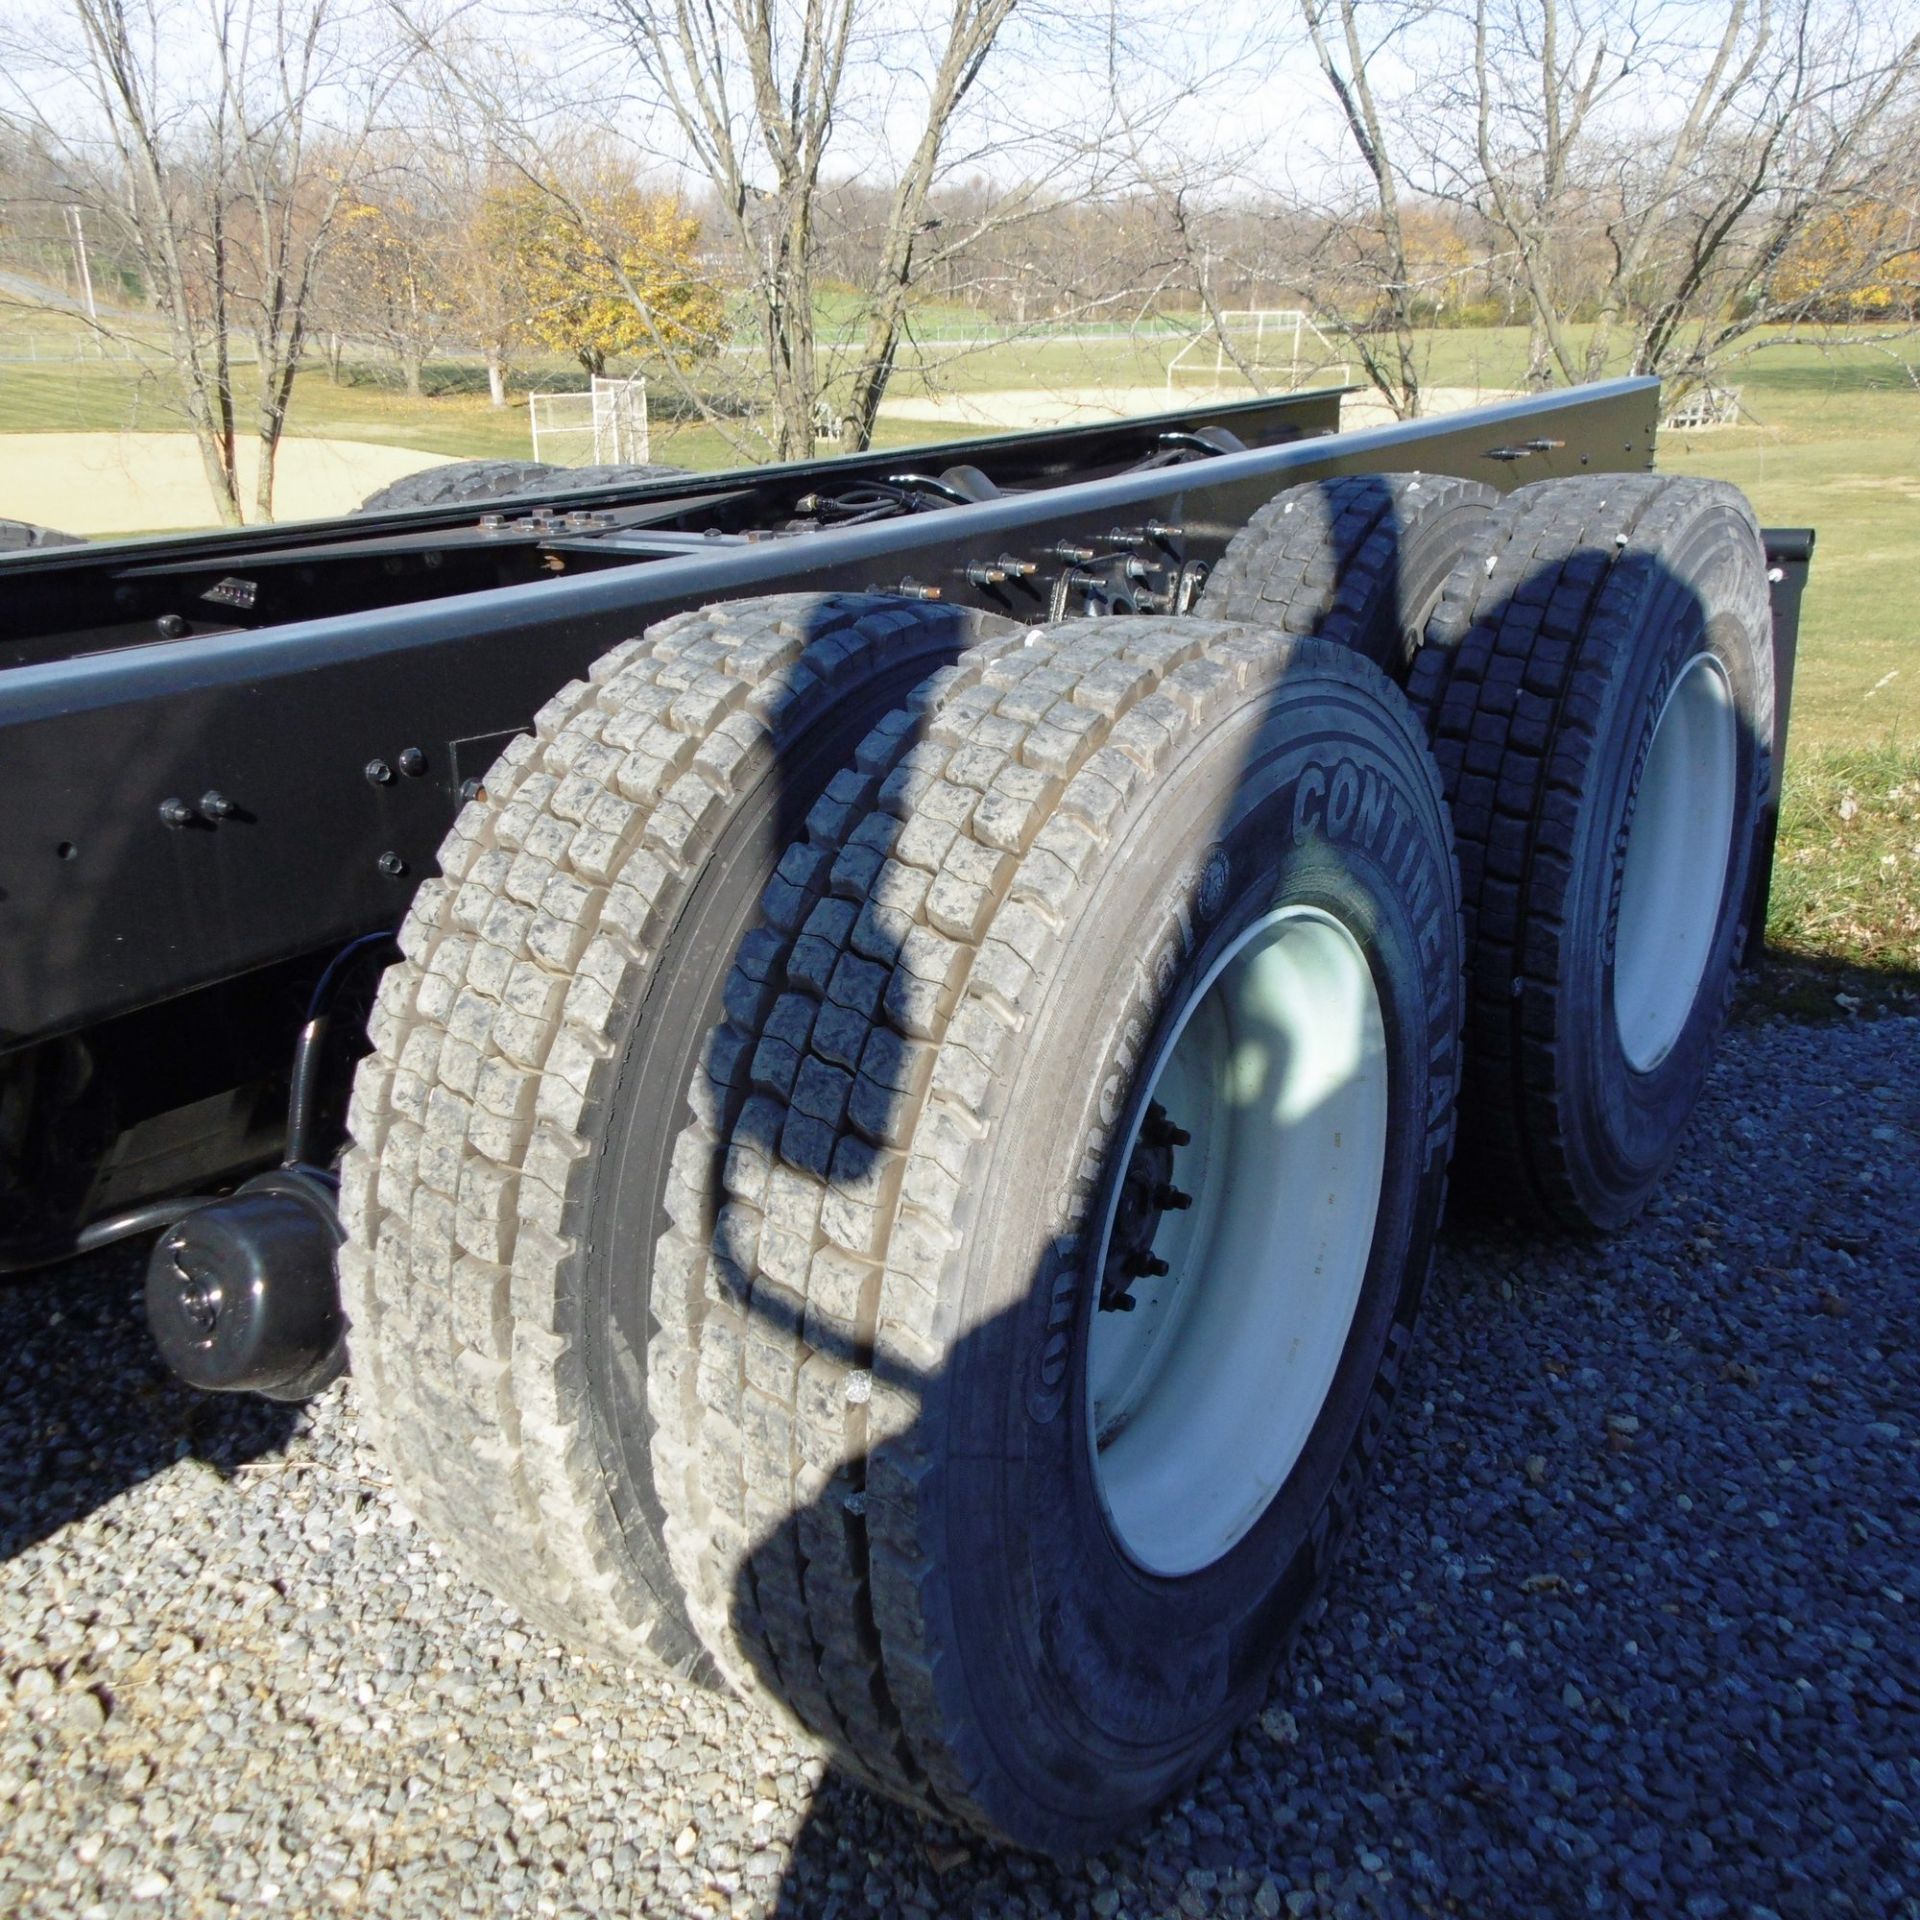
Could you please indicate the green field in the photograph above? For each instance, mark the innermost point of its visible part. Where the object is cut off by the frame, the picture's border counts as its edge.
(1837, 448)
(1832, 441)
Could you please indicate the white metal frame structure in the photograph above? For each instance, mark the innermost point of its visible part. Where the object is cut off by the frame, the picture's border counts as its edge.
(606, 426)
(1258, 336)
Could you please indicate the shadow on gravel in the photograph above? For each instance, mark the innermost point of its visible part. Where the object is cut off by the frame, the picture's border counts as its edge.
(87, 1407)
(1796, 986)
(1625, 1626)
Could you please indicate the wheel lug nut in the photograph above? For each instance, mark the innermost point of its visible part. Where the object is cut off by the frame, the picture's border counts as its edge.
(1171, 1199)
(1145, 1266)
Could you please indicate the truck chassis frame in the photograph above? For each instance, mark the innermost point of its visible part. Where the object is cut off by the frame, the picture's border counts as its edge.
(225, 757)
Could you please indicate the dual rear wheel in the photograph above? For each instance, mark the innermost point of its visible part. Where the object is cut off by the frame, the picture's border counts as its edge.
(902, 1157)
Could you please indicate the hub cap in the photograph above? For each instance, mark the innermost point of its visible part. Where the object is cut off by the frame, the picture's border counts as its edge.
(1232, 1252)
(1676, 867)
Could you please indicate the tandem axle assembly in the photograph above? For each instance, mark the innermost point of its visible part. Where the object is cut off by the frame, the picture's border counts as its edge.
(933, 1014)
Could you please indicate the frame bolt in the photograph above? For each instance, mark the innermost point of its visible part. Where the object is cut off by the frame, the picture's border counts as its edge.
(176, 813)
(172, 626)
(413, 762)
(215, 804)
(379, 772)
(392, 865)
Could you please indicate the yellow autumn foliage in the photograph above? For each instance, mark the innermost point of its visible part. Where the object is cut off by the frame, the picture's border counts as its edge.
(1858, 263)
(602, 273)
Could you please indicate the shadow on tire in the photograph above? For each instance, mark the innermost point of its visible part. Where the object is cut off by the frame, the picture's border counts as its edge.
(930, 1611)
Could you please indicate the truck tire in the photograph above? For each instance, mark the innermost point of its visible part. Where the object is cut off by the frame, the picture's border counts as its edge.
(891, 1294)
(1359, 560)
(19, 536)
(463, 480)
(1598, 686)
(511, 1126)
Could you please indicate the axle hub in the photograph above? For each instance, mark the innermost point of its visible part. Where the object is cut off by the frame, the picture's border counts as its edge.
(241, 1295)
(1146, 1193)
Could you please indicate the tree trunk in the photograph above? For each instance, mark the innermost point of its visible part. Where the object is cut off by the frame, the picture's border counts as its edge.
(875, 370)
(971, 35)
(1539, 355)
(410, 366)
(789, 328)
(220, 476)
(496, 380)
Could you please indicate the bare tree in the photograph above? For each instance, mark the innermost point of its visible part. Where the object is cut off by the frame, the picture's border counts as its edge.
(194, 130)
(972, 28)
(756, 92)
(1644, 170)
(1694, 146)
(1347, 55)
(856, 130)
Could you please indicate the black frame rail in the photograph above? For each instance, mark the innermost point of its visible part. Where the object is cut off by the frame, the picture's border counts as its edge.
(182, 811)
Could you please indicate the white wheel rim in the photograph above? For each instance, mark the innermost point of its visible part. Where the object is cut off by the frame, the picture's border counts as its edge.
(1201, 1398)
(1676, 867)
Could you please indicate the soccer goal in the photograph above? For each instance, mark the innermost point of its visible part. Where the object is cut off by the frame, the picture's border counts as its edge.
(1705, 407)
(1276, 348)
(603, 427)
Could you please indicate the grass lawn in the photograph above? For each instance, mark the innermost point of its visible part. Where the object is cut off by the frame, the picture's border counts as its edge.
(1836, 447)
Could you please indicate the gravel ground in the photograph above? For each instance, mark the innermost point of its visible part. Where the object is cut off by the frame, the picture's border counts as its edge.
(1631, 1623)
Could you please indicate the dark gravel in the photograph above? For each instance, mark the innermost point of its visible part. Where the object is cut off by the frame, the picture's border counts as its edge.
(1630, 1625)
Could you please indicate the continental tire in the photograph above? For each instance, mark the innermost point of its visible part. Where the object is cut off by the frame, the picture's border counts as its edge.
(1360, 560)
(512, 1125)
(462, 480)
(899, 1240)
(1598, 685)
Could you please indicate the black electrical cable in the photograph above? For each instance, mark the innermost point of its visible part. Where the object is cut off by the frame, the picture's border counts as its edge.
(304, 1082)
(26, 1256)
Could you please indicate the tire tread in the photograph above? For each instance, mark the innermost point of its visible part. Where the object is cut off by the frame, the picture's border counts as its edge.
(815, 1279)
(470, 1169)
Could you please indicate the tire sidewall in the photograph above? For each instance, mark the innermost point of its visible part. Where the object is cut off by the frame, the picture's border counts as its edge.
(1624, 1123)
(1083, 1667)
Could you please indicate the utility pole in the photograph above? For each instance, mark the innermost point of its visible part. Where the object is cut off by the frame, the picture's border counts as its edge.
(80, 256)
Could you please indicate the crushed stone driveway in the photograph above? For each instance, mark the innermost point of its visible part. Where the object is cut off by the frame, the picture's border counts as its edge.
(1631, 1624)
